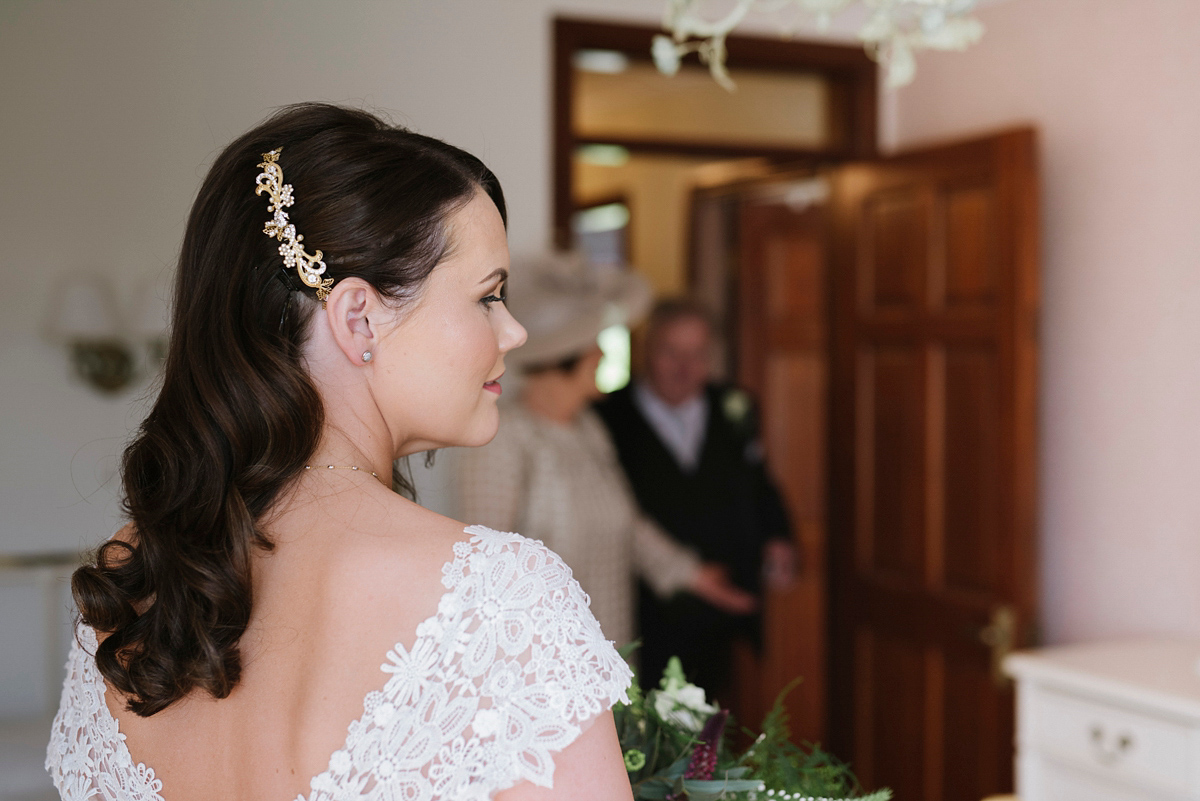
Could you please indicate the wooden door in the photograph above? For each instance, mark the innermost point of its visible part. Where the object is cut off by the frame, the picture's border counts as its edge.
(782, 358)
(935, 271)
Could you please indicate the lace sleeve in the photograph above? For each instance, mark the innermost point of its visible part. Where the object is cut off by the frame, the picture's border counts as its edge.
(511, 670)
(87, 758)
(550, 672)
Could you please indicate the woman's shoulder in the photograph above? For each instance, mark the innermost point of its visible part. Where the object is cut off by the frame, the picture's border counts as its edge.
(517, 595)
(511, 649)
(417, 546)
(528, 582)
(593, 427)
(507, 556)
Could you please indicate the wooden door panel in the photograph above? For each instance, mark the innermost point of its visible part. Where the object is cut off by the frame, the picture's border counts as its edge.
(971, 500)
(972, 762)
(921, 727)
(892, 460)
(971, 271)
(783, 359)
(892, 272)
(933, 459)
(796, 381)
(793, 278)
(891, 727)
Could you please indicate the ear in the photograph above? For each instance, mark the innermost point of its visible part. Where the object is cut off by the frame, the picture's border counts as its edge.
(349, 310)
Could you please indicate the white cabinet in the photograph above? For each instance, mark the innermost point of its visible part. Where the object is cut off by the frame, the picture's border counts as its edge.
(1115, 721)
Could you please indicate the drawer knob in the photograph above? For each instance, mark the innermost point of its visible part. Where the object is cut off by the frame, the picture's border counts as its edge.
(1108, 751)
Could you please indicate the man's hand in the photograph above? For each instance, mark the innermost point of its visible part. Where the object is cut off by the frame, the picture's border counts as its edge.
(779, 564)
(711, 584)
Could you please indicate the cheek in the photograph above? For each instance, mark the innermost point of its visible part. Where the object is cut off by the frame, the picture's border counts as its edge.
(464, 360)
(480, 348)
(445, 364)
(457, 345)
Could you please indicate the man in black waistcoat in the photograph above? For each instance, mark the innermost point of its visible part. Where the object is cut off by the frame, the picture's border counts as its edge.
(692, 454)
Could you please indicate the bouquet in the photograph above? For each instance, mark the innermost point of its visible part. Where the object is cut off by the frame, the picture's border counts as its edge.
(676, 749)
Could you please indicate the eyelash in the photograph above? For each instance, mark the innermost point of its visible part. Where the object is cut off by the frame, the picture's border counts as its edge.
(490, 299)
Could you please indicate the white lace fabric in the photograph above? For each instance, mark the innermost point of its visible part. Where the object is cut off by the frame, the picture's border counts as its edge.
(510, 670)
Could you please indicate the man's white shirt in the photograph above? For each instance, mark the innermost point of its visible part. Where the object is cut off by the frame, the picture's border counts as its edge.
(681, 428)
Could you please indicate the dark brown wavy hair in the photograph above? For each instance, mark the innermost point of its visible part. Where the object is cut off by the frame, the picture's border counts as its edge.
(238, 417)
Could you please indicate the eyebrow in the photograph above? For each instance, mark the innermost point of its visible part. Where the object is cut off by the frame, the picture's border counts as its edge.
(501, 273)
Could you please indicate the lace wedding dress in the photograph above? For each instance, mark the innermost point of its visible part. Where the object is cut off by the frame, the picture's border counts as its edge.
(510, 670)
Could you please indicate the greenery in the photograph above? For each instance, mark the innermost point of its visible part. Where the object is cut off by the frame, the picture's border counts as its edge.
(677, 748)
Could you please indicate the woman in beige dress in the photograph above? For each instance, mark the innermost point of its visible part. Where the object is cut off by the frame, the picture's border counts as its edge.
(552, 472)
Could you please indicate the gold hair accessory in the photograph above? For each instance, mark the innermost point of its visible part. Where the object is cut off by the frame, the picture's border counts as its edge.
(308, 268)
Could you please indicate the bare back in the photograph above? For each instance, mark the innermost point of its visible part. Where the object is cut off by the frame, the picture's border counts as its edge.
(352, 575)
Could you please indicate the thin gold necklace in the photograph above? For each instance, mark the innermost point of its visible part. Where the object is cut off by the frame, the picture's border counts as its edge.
(339, 467)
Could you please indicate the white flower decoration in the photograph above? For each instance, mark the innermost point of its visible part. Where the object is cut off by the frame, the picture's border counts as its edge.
(666, 55)
(486, 722)
(685, 705)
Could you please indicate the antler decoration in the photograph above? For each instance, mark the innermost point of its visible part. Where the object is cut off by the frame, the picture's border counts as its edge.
(893, 32)
(308, 268)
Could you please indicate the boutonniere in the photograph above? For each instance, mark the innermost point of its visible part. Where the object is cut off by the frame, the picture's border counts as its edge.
(736, 405)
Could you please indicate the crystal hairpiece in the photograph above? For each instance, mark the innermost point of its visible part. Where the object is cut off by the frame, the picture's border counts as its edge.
(308, 268)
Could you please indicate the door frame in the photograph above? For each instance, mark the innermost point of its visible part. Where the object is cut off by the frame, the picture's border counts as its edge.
(852, 76)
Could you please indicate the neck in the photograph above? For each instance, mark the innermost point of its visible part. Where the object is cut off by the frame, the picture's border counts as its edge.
(339, 450)
(668, 398)
(355, 433)
(550, 397)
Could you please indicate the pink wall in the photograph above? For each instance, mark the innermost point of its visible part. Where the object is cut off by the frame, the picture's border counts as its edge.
(1114, 88)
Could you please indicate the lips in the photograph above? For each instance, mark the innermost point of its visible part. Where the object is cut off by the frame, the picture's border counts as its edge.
(494, 385)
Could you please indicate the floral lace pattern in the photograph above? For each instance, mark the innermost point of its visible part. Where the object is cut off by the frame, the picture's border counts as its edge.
(509, 671)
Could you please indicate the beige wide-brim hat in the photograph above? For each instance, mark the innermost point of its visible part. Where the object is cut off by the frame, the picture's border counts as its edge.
(564, 303)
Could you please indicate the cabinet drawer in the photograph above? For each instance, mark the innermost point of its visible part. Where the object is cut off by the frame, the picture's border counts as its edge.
(1110, 741)
(1060, 783)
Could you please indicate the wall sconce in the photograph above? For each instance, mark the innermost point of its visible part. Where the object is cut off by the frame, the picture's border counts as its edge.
(150, 326)
(86, 321)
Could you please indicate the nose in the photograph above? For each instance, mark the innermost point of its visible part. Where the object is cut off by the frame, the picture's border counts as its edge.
(512, 333)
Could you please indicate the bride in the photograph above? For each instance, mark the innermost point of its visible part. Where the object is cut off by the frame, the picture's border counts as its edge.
(275, 622)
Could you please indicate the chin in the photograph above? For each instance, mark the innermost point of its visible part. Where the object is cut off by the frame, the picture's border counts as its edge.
(482, 429)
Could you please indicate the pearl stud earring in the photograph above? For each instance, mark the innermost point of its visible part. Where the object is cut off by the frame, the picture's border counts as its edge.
(366, 355)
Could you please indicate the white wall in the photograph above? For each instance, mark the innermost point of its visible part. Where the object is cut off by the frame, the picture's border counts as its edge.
(1113, 87)
(111, 113)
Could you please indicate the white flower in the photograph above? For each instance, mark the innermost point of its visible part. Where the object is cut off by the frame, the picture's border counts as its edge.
(736, 405)
(486, 722)
(503, 679)
(340, 762)
(384, 713)
(684, 704)
(666, 55)
(431, 627)
(450, 605)
(901, 64)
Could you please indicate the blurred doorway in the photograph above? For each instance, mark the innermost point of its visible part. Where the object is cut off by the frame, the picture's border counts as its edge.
(653, 146)
(882, 312)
